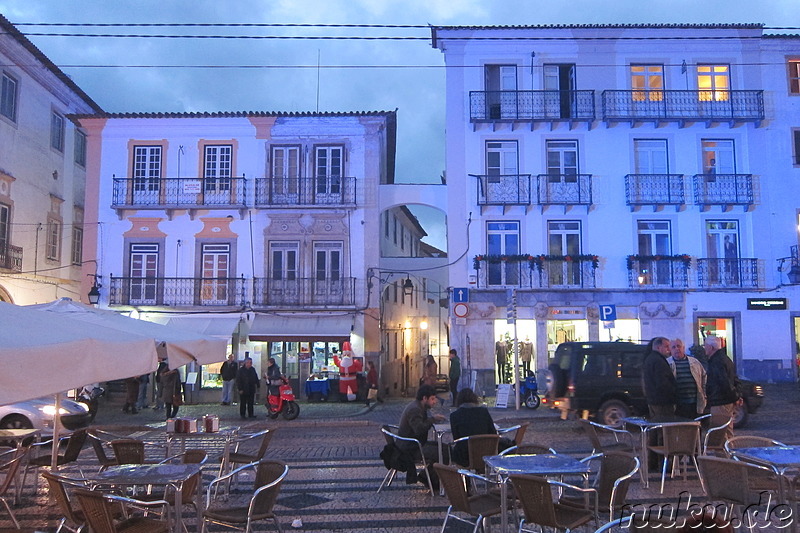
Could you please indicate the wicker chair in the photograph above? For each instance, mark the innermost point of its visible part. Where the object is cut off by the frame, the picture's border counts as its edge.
(75, 442)
(101, 509)
(73, 520)
(714, 440)
(128, 451)
(748, 441)
(479, 507)
(8, 469)
(681, 439)
(268, 478)
(518, 432)
(617, 469)
(606, 439)
(99, 447)
(478, 447)
(538, 507)
(247, 449)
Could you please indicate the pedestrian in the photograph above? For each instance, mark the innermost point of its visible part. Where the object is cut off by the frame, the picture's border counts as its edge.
(722, 384)
(228, 372)
(162, 367)
(415, 423)
(131, 395)
(454, 374)
(372, 382)
(471, 418)
(690, 378)
(171, 392)
(141, 402)
(247, 383)
(660, 388)
(430, 371)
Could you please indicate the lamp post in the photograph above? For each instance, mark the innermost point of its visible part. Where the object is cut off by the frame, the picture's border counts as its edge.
(94, 292)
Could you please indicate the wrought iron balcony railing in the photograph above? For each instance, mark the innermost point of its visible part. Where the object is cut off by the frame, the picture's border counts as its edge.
(723, 189)
(505, 271)
(504, 189)
(304, 292)
(564, 189)
(532, 106)
(568, 272)
(725, 106)
(301, 192)
(165, 193)
(713, 273)
(658, 272)
(177, 292)
(654, 189)
(536, 271)
(10, 257)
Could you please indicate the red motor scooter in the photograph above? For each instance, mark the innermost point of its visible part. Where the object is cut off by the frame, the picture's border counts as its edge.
(283, 403)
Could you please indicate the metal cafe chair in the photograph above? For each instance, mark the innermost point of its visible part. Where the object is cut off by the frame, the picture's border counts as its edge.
(391, 440)
(477, 507)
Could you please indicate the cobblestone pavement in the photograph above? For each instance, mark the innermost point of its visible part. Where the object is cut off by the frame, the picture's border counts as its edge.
(334, 468)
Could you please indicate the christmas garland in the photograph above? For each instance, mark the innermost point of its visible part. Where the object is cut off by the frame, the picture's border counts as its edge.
(535, 260)
(683, 258)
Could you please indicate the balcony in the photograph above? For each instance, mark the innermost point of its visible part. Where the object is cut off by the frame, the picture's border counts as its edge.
(178, 292)
(564, 189)
(683, 106)
(303, 293)
(323, 191)
(536, 271)
(10, 257)
(658, 272)
(531, 106)
(504, 189)
(713, 273)
(723, 189)
(179, 193)
(654, 189)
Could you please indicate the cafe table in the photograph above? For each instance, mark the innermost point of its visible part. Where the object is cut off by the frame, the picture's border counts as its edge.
(545, 464)
(779, 458)
(167, 475)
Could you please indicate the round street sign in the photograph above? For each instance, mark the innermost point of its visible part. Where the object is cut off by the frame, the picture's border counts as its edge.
(461, 310)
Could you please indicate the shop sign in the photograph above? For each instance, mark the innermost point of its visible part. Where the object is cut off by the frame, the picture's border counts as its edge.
(567, 313)
(767, 304)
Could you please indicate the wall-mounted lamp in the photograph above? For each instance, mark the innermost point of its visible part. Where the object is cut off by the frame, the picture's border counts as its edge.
(794, 275)
(94, 292)
(408, 287)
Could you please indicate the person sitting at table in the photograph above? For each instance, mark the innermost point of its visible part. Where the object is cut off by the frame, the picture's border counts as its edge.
(415, 423)
(471, 418)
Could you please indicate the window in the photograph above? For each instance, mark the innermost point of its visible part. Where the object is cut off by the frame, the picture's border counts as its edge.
(402, 237)
(650, 156)
(722, 247)
(146, 174)
(328, 261)
(386, 224)
(502, 238)
(8, 97)
(57, 131)
(285, 169)
(796, 146)
(654, 238)
(5, 221)
(647, 82)
(217, 168)
(284, 260)
(144, 261)
(216, 261)
(80, 148)
(53, 245)
(501, 160)
(562, 161)
(394, 229)
(77, 245)
(500, 82)
(718, 157)
(713, 82)
(794, 76)
(559, 82)
(329, 169)
(563, 239)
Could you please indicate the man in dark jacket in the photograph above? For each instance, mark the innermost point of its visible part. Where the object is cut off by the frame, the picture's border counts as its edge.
(228, 372)
(247, 383)
(660, 387)
(454, 374)
(722, 384)
(415, 422)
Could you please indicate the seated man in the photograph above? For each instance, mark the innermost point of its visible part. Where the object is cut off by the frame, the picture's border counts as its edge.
(416, 422)
(471, 418)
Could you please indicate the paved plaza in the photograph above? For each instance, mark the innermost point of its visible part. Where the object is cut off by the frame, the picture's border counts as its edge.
(332, 452)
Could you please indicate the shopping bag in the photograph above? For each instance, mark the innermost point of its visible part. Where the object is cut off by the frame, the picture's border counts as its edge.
(372, 394)
(351, 396)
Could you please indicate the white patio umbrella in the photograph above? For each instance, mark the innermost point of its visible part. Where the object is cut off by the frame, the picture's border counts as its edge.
(182, 347)
(47, 353)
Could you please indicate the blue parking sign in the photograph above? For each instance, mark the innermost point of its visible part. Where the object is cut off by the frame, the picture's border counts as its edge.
(608, 312)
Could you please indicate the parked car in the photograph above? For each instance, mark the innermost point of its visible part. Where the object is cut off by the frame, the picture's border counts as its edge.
(38, 414)
(604, 379)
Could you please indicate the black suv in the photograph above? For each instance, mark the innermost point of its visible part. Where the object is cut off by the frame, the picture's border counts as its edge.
(605, 379)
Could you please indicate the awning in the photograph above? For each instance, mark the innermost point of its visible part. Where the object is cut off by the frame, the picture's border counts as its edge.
(332, 328)
(214, 326)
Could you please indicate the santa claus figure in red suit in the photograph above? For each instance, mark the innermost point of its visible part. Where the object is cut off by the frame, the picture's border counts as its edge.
(349, 367)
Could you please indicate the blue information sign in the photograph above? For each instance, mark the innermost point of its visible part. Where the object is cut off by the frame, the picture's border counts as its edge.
(460, 295)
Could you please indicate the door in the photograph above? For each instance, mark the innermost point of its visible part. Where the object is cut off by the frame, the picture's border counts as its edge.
(561, 185)
(285, 175)
(564, 239)
(327, 272)
(146, 175)
(713, 91)
(654, 240)
(144, 274)
(501, 91)
(283, 283)
(559, 82)
(217, 175)
(652, 169)
(214, 281)
(722, 245)
(502, 174)
(328, 176)
(647, 85)
(718, 181)
(503, 239)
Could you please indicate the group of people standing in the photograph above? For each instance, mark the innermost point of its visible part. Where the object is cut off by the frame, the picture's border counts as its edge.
(677, 384)
(168, 394)
(245, 378)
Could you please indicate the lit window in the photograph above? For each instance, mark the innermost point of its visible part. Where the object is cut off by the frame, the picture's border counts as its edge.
(713, 82)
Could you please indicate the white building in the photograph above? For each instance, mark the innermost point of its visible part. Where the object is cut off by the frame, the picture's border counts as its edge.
(652, 168)
(251, 226)
(42, 175)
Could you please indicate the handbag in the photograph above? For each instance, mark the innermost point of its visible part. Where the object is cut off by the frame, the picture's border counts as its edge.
(372, 394)
(177, 399)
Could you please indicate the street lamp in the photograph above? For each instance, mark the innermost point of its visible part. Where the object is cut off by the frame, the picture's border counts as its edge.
(408, 287)
(94, 294)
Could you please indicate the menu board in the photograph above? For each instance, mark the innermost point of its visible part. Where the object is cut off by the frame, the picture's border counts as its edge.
(503, 392)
